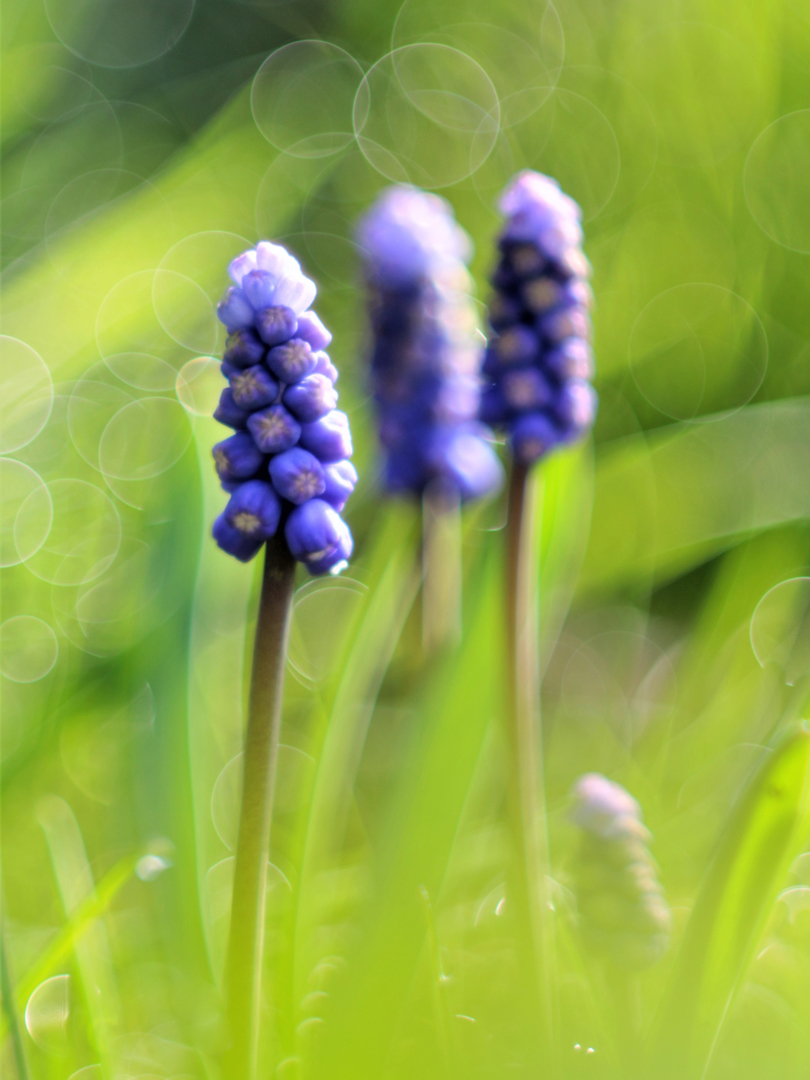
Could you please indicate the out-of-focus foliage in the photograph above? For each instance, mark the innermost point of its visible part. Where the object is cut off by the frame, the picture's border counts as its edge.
(143, 146)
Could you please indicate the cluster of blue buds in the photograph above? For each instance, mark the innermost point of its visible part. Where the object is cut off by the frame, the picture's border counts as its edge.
(426, 352)
(539, 359)
(287, 463)
(623, 912)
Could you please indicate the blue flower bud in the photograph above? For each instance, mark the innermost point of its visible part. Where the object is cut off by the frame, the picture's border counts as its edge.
(274, 430)
(253, 388)
(238, 457)
(340, 479)
(425, 356)
(266, 312)
(525, 389)
(324, 366)
(573, 360)
(532, 436)
(276, 324)
(292, 361)
(297, 475)
(312, 330)
(251, 517)
(235, 310)
(329, 438)
(229, 413)
(311, 398)
(259, 287)
(538, 358)
(243, 348)
(318, 537)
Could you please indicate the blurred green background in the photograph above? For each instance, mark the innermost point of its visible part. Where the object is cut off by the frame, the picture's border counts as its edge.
(144, 145)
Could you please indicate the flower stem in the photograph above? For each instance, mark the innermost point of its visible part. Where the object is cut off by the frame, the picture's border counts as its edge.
(243, 965)
(526, 805)
(441, 570)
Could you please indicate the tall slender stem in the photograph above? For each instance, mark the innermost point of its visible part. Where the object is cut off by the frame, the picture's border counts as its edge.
(526, 805)
(441, 569)
(243, 965)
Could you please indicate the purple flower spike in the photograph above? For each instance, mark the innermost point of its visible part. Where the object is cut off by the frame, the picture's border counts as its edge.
(237, 458)
(318, 537)
(297, 475)
(425, 356)
(329, 438)
(253, 388)
(311, 398)
(538, 357)
(276, 325)
(292, 361)
(229, 413)
(266, 312)
(274, 430)
(243, 348)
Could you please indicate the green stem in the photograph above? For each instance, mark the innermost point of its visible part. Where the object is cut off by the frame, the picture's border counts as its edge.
(441, 570)
(243, 964)
(526, 804)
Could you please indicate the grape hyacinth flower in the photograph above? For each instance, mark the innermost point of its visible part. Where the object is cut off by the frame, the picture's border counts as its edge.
(623, 911)
(539, 360)
(425, 354)
(287, 472)
(281, 403)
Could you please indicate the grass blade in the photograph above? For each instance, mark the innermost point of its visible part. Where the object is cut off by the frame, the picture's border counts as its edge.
(733, 904)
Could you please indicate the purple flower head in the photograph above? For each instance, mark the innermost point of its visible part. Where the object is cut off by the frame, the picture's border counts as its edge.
(425, 352)
(539, 358)
(318, 537)
(243, 348)
(237, 458)
(291, 444)
(274, 430)
(340, 481)
(312, 330)
(276, 325)
(253, 388)
(328, 438)
(291, 361)
(251, 517)
(229, 413)
(311, 398)
(297, 475)
(623, 913)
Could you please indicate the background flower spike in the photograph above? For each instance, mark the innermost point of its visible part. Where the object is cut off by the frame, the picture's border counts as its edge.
(624, 916)
(539, 361)
(425, 356)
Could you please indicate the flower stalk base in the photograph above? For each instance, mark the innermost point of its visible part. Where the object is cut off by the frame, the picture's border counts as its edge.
(243, 966)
